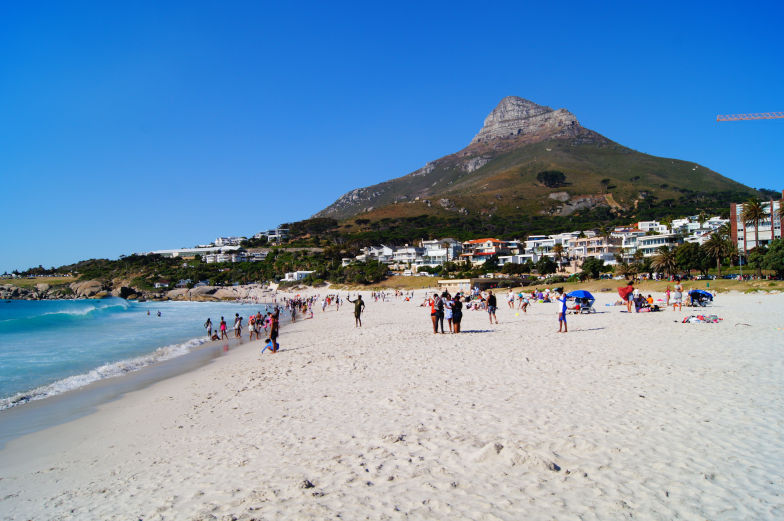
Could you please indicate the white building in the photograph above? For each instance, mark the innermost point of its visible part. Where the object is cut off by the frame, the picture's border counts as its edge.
(296, 275)
(650, 244)
(229, 241)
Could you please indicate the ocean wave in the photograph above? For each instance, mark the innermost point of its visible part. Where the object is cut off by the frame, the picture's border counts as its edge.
(103, 372)
(57, 318)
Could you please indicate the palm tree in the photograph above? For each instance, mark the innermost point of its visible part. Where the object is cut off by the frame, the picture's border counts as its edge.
(558, 250)
(753, 215)
(624, 269)
(665, 261)
(717, 247)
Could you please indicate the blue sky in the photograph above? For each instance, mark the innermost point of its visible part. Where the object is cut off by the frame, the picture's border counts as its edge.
(140, 126)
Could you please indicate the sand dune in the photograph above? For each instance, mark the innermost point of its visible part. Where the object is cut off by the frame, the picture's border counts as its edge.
(628, 416)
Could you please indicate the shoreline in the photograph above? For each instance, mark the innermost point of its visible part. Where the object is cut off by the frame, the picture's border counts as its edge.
(627, 414)
(28, 411)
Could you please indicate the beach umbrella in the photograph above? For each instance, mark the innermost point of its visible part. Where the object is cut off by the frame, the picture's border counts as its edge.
(581, 293)
(701, 292)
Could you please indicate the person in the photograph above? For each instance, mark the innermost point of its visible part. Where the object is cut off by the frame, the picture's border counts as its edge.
(523, 302)
(359, 306)
(457, 313)
(223, 329)
(252, 327)
(269, 345)
(448, 310)
(492, 306)
(215, 335)
(208, 327)
(237, 325)
(667, 295)
(440, 311)
(274, 325)
(562, 312)
(677, 296)
(433, 311)
(159, 313)
(510, 297)
(629, 296)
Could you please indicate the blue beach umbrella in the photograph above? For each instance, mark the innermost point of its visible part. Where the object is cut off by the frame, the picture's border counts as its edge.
(581, 293)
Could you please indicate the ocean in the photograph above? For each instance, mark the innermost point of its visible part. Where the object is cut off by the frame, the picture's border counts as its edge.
(48, 347)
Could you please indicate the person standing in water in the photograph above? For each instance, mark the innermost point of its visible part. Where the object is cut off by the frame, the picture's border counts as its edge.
(223, 329)
(359, 306)
(208, 327)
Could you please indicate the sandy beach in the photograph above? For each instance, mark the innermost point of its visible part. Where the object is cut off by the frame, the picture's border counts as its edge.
(628, 416)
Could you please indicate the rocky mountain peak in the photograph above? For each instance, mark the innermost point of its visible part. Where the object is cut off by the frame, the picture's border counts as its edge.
(516, 116)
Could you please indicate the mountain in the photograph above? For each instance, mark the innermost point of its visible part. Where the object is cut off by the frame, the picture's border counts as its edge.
(531, 160)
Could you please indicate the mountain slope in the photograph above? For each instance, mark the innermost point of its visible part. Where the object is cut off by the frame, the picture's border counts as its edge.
(496, 174)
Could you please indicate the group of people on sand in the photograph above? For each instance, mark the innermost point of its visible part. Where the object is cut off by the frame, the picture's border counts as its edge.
(632, 297)
(268, 322)
(446, 307)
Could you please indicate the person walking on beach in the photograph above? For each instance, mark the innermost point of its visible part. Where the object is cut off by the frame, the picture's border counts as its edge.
(274, 327)
(492, 306)
(208, 327)
(562, 311)
(359, 306)
(223, 329)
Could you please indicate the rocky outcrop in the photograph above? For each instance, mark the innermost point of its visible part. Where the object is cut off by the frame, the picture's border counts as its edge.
(515, 117)
(87, 288)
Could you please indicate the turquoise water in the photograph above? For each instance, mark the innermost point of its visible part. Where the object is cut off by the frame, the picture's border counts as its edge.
(52, 346)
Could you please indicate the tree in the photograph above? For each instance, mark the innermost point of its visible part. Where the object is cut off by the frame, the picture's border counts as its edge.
(716, 247)
(551, 178)
(605, 184)
(756, 259)
(592, 267)
(753, 215)
(687, 256)
(624, 269)
(774, 258)
(665, 261)
(558, 251)
(545, 266)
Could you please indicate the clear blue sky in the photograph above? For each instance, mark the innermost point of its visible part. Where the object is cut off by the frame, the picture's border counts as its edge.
(127, 127)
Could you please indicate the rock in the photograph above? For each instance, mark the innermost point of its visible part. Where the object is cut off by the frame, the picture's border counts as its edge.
(517, 117)
(42, 287)
(306, 484)
(202, 291)
(559, 196)
(86, 288)
(100, 294)
(553, 466)
(475, 163)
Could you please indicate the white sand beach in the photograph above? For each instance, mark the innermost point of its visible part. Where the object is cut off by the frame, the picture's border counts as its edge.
(628, 416)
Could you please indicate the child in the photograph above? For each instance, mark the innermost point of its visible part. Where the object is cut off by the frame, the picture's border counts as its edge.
(562, 313)
(268, 345)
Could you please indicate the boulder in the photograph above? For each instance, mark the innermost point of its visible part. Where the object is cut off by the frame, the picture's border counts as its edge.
(42, 287)
(86, 288)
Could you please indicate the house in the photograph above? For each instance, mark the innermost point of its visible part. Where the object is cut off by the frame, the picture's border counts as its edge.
(650, 244)
(652, 226)
(478, 250)
(229, 241)
(161, 284)
(604, 248)
(769, 229)
(407, 254)
(296, 275)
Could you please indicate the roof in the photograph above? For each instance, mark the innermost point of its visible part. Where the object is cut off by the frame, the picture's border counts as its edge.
(479, 241)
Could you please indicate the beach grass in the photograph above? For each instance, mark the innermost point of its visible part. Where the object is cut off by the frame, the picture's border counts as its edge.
(29, 283)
